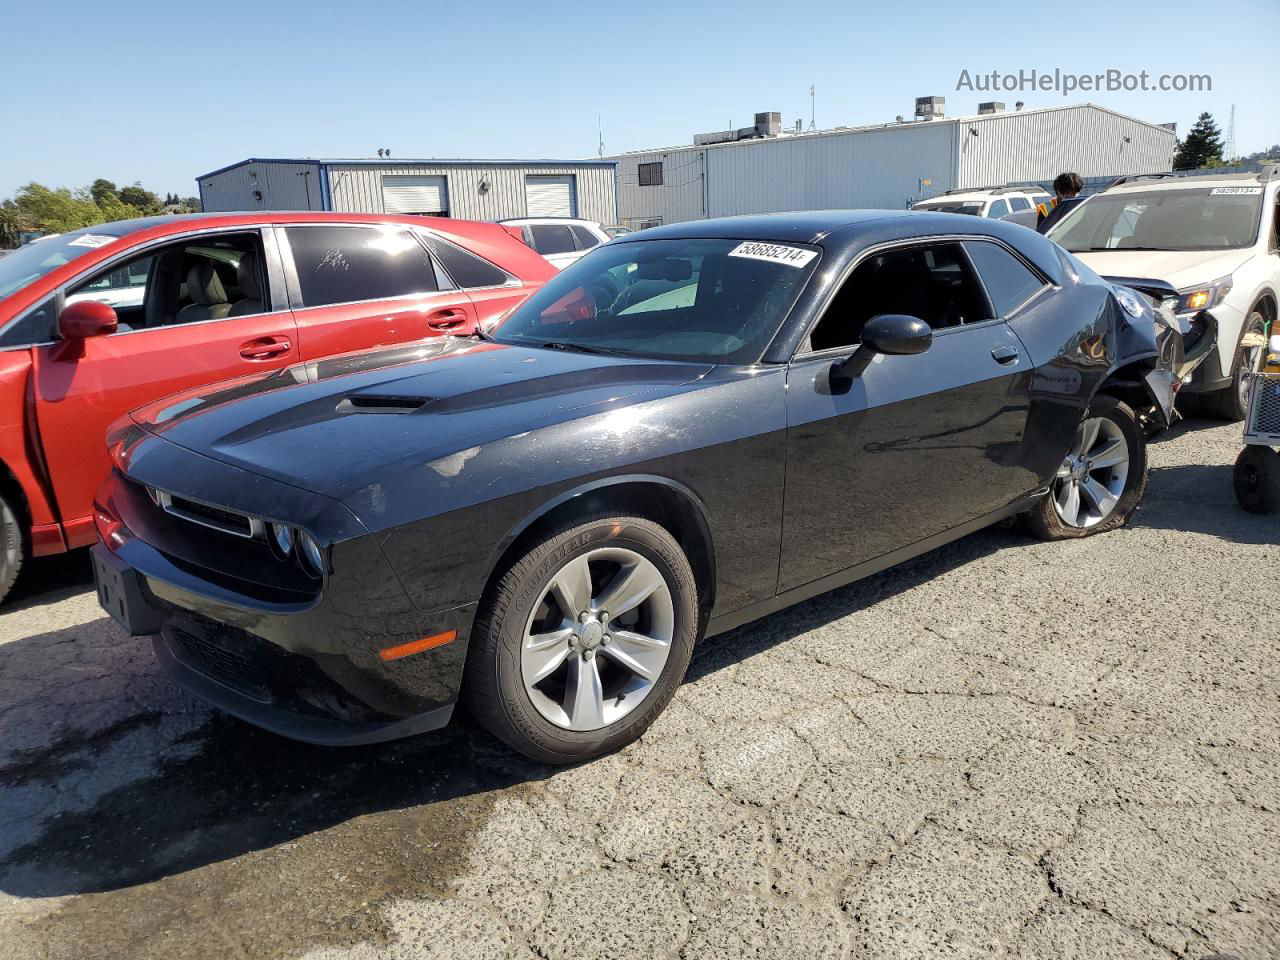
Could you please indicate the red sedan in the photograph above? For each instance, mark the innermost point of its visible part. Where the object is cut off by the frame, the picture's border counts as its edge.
(99, 321)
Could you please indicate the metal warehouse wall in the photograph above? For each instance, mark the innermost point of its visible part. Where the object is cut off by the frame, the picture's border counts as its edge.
(872, 168)
(284, 186)
(1013, 147)
(679, 198)
(882, 166)
(357, 188)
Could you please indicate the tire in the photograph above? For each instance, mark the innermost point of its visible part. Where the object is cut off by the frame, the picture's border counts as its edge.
(12, 545)
(1256, 479)
(556, 719)
(1094, 482)
(1232, 403)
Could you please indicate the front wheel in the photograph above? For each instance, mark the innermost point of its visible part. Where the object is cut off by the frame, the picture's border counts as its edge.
(583, 640)
(1101, 479)
(1232, 403)
(1256, 478)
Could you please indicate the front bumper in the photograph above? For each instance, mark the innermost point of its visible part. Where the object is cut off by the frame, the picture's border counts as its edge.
(306, 667)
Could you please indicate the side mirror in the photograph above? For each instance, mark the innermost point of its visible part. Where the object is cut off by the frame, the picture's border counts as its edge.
(891, 333)
(87, 318)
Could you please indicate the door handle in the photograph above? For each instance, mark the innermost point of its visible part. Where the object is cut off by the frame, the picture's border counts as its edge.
(1005, 354)
(265, 348)
(446, 320)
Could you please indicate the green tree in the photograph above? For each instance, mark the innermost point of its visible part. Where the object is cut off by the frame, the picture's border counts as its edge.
(12, 223)
(57, 211)
(102, 189)
(192, 204)
(1203, 144)
(146, 202)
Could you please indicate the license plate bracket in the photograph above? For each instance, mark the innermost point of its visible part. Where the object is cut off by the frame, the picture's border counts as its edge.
(120, 593)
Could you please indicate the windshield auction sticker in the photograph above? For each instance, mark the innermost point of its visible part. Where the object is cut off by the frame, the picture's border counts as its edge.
(91, 240)
(773, 252)
(1235, 191)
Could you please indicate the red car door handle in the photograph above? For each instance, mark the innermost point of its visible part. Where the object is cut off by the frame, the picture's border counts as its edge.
(446, 320)
(265, 348)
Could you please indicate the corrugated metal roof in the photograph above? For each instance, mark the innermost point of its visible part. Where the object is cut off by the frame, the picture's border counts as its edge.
(407, 161)
(905, 125)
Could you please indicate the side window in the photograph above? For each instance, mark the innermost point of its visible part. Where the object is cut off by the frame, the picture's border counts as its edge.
(210, 277)
(998, 209)
(552, 238)
(586, 239)
(933, 282)
(1010, 283)
(1020, 203)
(37, 325)
(351, 264)
(1275, 226)
(466, 269)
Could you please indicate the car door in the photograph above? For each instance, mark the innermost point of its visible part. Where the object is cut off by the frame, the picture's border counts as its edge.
(915, 445)
(356, 286)
(175, 338)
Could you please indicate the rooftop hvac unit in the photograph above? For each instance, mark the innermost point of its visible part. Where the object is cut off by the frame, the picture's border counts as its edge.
(930, 108)
(991, 106)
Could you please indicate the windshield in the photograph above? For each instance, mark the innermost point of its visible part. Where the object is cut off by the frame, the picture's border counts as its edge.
(1209, 218)
(715, 301)
(971, 207)
(28, 264)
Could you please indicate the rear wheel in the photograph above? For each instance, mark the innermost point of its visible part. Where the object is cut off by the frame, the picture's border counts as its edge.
(1257, 479)
(1101, 479)
(1232, 403)
(583, 639)
(12, 545)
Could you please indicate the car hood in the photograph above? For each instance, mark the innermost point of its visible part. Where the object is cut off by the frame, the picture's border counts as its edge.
(336, 426)
(1182, 268)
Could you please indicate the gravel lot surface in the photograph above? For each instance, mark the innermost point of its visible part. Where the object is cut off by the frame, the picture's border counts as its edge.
(1004, 748)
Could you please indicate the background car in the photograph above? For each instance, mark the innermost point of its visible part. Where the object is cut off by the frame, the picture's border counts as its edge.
(684, 431)
(97, 321)
(994, 203)
(560, 239)
(1215, 238)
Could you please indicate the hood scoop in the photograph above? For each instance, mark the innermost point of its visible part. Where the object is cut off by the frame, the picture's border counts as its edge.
(381, 403)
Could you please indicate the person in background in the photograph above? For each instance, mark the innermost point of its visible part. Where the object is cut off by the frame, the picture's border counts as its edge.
(1066, 187)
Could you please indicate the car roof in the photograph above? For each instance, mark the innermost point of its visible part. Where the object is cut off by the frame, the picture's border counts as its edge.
(1184, 182)
(813, 226)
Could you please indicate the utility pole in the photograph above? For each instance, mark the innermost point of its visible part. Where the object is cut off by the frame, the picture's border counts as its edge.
(1230, 149)
(813, 109)
(599, 137)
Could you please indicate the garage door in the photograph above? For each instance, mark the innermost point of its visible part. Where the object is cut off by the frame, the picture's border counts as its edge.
(551, 196)
(415, 194)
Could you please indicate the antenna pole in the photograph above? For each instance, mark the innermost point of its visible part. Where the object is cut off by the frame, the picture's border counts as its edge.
(813, 108)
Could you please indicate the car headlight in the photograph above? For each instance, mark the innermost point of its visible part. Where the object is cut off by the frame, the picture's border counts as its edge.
(282, 538)
(1129, 300)
(1195, 299)
(312, 555)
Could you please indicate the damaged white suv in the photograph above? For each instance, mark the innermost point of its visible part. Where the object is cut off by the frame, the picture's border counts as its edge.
(1216, 239)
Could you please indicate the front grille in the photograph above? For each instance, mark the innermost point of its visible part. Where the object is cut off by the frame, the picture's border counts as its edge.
(1264, 417)
(220, 661)
(207, 515)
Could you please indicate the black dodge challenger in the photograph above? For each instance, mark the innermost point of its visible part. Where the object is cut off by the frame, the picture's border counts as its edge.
(691, 427)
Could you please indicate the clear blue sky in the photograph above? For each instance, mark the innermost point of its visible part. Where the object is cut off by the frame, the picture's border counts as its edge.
(161, 92)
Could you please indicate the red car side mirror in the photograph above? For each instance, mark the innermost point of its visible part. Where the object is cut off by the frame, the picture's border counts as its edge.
(87, 318)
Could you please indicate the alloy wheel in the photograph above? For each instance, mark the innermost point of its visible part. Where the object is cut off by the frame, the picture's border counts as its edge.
(598, 639)
(1092, 477)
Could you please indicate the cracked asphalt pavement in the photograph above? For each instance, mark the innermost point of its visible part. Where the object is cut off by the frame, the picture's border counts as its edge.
(1005, 748)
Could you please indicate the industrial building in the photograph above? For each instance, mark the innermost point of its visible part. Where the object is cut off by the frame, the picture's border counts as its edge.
(764, 168)
(468, 189)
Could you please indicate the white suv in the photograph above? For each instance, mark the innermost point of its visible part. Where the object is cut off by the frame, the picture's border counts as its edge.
(1215, 238)
(995, 202)
(560, 240)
